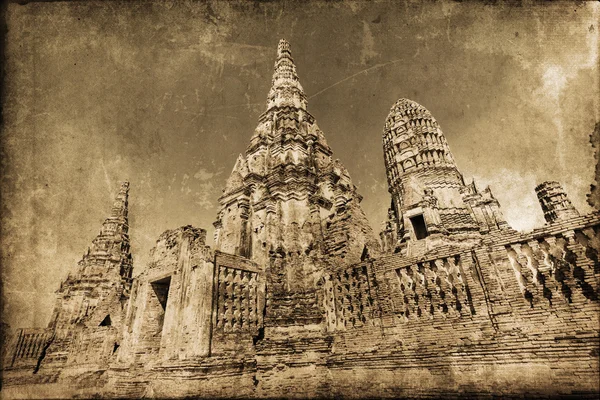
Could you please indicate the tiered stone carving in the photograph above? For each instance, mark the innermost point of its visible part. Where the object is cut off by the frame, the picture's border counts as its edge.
(104, 271)
(287, 193)
(86, 324)
(429, 196)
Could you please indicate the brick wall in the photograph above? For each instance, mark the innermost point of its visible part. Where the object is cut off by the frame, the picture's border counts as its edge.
(515, 315)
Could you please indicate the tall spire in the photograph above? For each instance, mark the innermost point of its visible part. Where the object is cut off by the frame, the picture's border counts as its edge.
(286, 89)
(120, 205)
(286, 185)
(112, 243)
(104, 272)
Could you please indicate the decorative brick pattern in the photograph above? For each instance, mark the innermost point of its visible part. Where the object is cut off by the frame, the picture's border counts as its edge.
(237, 300)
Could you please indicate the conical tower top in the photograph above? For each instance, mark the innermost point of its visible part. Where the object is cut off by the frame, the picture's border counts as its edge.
(285, 182)
(112, 243)
(121, 204)
(413, 142)
(283, 46)
(286, 89)
(104, 272)
(116, 227)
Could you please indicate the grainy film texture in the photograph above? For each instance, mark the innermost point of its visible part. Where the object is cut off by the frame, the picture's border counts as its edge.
(177, 224)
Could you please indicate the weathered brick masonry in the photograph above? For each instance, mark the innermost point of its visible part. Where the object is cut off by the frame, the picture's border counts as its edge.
(299, 299)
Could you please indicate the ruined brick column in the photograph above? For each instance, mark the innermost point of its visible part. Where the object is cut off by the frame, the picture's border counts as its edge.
(555, 202)
(169, 315)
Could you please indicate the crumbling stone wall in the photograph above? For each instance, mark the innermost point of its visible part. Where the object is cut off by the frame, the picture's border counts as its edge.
(28, 346)
(351, 298)
(170, 312)
(527, 301)
(515, 314)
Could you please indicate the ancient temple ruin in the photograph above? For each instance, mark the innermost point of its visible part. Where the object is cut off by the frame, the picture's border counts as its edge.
(431, 204)
(300, 298)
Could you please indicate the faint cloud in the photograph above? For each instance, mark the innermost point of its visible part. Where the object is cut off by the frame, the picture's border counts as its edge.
(185, 187)
(204, 195)
(515, 191)
(554, 81)
(368, 45)
(204, 174)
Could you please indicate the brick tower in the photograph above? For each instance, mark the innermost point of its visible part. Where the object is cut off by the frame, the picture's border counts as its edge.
(554, 201)
(103, 277)
(288, 205)
(431, 204)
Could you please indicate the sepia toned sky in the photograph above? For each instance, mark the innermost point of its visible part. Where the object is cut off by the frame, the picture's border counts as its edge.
(168, 94)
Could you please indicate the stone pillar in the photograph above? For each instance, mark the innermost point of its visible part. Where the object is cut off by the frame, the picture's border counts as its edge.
(245, 236)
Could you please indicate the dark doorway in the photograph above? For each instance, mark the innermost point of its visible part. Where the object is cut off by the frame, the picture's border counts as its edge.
(419, 227)
(161, 291)
(106, 321)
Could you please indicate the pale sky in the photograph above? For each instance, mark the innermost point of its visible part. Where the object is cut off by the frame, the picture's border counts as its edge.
(168, 94)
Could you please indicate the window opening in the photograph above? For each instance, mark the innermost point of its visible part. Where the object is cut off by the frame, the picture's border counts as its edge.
(419, 227)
